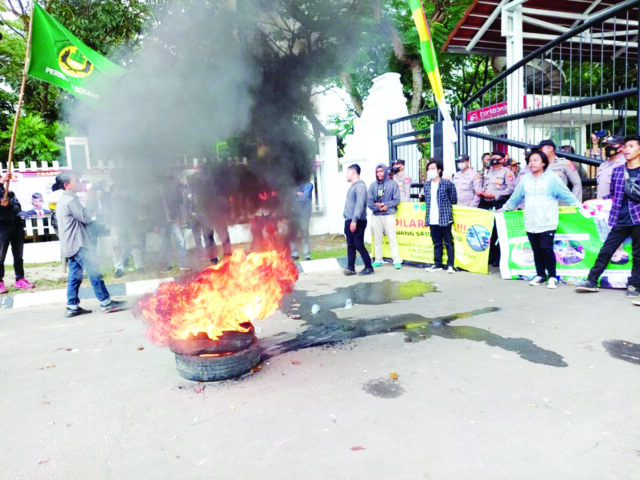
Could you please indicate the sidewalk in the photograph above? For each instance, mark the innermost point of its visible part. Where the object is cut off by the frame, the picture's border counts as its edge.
(137, 287)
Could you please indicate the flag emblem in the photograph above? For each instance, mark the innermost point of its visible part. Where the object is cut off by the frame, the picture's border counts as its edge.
(74, 63)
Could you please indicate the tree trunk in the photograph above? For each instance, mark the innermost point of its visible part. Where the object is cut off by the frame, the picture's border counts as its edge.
(355, 97)
(413, 63)
(418, 86)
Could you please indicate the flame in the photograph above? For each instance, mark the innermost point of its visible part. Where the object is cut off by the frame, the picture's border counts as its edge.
(242, 288)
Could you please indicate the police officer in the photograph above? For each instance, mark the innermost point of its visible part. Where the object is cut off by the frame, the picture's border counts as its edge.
(498, 184)
(468, 183)
(402, 179)
(513, 166)
(614, 157)
(562, 167)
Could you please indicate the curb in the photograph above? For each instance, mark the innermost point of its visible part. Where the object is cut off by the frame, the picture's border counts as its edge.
(140, 287)
(31, 299)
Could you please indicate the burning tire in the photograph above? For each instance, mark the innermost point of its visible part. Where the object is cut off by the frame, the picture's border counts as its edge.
(219, 366)
(228, 342)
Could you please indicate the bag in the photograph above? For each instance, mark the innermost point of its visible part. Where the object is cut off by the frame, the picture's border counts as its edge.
(631, 188)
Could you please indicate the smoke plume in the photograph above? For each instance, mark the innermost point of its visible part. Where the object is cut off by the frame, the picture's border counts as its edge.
(223, 70)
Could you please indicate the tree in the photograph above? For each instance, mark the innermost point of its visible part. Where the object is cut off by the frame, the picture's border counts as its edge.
(105, 26)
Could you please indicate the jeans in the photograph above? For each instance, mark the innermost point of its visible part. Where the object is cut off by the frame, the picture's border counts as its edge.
(440, 235)
(385, 225)
(615, 238)
(355, 241)
(14, 236)
(543, 256)
(300, 231)
(85, 260)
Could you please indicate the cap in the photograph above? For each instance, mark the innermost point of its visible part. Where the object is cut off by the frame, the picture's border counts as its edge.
(614, 140)
(462, 158)
(509, 161)
(498, 154)
(398, 160)
(547, 142)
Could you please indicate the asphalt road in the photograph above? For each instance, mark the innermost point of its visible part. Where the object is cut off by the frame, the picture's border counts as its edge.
(495, 380)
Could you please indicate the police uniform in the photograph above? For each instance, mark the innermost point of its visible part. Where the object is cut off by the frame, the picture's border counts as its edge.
(468, 183)
(404, 185)
(567, 172)
(499, 182)
(603, 175)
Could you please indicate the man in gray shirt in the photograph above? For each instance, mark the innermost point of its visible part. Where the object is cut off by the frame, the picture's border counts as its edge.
(355, 222)
(76, 247)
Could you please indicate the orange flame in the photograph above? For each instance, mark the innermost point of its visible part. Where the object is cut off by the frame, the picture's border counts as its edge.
(242, 288)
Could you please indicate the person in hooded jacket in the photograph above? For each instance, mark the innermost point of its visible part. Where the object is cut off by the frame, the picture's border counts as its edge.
(383, 197)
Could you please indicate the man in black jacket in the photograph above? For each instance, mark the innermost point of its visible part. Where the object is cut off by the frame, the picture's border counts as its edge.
(11, 234)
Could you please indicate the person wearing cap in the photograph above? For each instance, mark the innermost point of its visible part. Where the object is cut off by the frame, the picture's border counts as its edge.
(498, 184)
(562, 167)
(511, 164)
(613, 158)
(468, 183)
(383, 197)
(402, 179)
(624, 220)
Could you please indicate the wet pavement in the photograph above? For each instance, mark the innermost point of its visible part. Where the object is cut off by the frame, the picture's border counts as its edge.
(403, 374)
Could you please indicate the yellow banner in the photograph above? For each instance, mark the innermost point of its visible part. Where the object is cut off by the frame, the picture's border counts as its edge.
(471, 236)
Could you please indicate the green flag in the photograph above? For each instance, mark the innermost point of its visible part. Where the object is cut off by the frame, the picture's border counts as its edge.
(59, 58)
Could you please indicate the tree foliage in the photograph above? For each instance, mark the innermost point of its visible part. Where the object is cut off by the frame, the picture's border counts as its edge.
(105, 26)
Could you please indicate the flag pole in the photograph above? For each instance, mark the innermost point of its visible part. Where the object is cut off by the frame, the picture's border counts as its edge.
(23, 85)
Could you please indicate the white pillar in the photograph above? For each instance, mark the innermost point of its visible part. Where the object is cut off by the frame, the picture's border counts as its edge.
(512, 30)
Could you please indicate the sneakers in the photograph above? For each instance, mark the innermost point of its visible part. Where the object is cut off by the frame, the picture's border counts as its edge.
(74, 312)
(307, 257)
(450, 270)
(376, 264)
(536, 281)
(587, 286)
(433, 268)
(397, 266)
(24, 284)
(113, 306)
(632, 291)
(119, 273)
(3, 288)
(348, 271)
(553, 283)
(366, 271)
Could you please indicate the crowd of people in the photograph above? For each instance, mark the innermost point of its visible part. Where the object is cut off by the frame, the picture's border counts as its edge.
(545, 182)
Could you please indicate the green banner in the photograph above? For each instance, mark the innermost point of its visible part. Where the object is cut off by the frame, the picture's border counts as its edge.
(59, 58)
(471, 233)
(578, 240)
